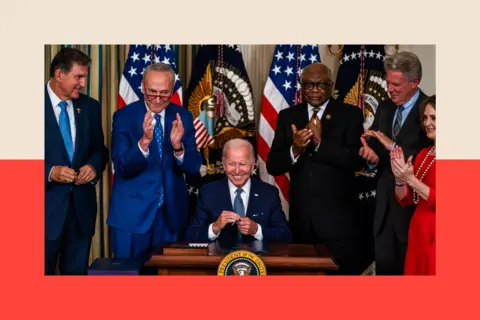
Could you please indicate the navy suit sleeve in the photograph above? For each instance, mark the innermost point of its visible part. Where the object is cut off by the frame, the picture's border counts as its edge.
(192, 158)
(48, 168)
(128, 160)
(198, 227)
(277, 230)
(382, 153)
(98, 152)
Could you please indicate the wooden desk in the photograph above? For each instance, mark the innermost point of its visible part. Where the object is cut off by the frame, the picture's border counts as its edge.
(281, 259)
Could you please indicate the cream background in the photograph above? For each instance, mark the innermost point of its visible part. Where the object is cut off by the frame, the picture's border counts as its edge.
(28, 25)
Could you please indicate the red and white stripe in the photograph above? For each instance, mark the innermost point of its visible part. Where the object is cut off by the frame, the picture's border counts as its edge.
(126, 95)
(202, 137)
(272, 103)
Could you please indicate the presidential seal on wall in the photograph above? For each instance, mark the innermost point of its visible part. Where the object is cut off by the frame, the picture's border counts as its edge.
(241, 263)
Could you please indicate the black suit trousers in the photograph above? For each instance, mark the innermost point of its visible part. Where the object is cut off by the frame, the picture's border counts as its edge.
(71, 248)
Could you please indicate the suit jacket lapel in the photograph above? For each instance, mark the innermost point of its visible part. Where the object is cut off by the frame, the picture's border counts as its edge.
(52, 128)
(412, 117)
(170, 116)
(224, 198)
(253, 197)
(327, 117)
(390, 114)
(79, 128)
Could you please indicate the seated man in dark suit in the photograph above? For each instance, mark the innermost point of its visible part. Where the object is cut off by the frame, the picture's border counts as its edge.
(238, 207)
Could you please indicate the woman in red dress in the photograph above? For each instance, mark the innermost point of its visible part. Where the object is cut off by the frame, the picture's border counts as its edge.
(417, 184)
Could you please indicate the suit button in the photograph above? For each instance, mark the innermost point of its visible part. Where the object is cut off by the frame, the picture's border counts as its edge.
(158, 193)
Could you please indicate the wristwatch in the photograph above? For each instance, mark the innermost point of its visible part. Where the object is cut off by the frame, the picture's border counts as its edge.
(179, 149)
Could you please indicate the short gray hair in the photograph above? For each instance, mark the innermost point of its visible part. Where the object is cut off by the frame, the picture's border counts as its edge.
(329, 72)
(238, 143)
(405, 62)
(160, 67)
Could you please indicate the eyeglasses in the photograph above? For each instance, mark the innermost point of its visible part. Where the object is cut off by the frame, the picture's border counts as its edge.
(152, 95)
(308, 85)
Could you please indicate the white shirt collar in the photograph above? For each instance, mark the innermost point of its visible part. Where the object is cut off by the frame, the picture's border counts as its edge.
(322, 107)
(233, 188)
(54, 98)
(162, 114)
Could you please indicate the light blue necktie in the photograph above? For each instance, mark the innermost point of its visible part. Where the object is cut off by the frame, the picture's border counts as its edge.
(64, 124)
(238, 207)
(158, 132)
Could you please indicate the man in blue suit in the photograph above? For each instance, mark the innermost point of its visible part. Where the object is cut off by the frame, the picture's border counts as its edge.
(239, 208)
(153, 145)
(75, 157)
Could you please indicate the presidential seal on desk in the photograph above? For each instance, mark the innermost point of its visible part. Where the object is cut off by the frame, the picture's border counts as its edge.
(241, 263)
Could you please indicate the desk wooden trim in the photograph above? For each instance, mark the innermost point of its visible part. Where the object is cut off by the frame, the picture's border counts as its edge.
(281, 259)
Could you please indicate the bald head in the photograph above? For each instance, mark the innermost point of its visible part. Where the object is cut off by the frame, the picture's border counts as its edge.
(317, 67)
(317, 84)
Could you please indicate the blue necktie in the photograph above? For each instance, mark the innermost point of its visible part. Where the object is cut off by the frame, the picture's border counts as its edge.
(398, 122)
(64, 124)
(238, 207)
(158, 132)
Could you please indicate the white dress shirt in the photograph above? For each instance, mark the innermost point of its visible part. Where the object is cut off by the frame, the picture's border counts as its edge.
(310, 115)
(55, 100)
(162, 120)
(245, 195)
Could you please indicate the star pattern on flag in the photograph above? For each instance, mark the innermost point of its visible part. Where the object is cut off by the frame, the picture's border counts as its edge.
(367, 54)
(192, 189)
(135, 57)
(288, 65)
(366, 195)
(140, 56)
(290, 56)
(276, 69)
(132, 71)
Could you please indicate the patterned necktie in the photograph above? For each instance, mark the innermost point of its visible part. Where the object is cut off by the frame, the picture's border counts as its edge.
(315, 111)
(398, 122)
(158, 132)
(64, 124)
(238, 207)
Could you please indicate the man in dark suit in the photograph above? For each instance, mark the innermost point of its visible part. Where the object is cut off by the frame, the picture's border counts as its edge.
(398, 121)
(153, 146)
(238, 208)
(75, 157)
(317, 143)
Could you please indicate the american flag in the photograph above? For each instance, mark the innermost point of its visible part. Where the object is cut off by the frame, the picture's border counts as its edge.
(281, 91)
(139, 57)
